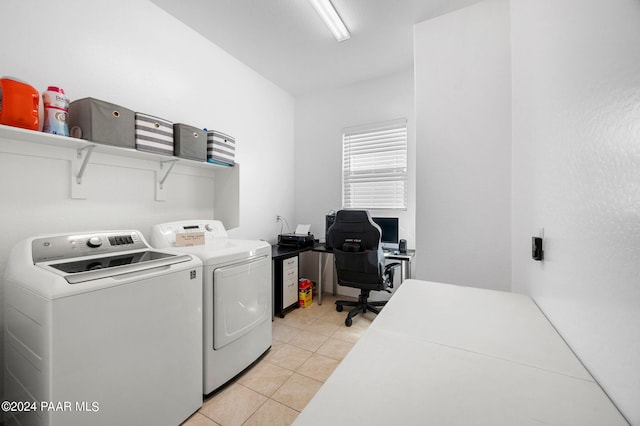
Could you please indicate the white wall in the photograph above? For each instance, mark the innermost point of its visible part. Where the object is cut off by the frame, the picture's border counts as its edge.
(132, 53)
(463, 115)
(319, 120)
(576, 172)
(575, 166)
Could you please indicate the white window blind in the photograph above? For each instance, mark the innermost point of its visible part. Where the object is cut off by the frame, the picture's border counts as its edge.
(375, 166)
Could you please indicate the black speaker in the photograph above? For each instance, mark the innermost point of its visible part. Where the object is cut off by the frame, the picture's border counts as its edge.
(402, 246)
(329, 219)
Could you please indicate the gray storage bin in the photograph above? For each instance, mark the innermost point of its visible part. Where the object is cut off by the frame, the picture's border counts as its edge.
(102, 122)
(189, 142)
(221, 148)
(154, 134)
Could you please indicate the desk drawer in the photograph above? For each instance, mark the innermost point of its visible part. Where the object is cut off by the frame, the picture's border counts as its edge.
(290, 282)
(290, 264)
(285, 285)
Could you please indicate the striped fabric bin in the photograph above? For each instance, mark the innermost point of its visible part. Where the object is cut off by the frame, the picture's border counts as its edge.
(154, 134)
(221, 148)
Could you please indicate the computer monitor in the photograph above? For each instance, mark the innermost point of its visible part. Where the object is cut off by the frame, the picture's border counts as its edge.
(390, 231)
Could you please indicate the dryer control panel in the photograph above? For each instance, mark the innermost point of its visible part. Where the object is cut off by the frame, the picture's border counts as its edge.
(173, 234)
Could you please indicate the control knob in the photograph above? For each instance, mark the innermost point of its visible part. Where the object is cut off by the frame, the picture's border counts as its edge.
(94, 242)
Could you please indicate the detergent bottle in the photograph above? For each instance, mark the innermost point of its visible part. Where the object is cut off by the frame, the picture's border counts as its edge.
(18, 104)
(56, 109)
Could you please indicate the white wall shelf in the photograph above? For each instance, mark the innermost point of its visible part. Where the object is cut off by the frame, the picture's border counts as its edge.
(82, 150)
(82, 153)
(17, 134)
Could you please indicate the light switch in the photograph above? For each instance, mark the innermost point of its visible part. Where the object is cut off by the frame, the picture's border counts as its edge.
(536, 248)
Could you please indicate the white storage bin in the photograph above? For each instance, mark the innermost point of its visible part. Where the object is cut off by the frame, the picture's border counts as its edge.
(221, 148)
(154, 134)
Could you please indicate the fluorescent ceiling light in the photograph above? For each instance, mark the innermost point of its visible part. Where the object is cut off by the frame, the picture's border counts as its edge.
(331, 18)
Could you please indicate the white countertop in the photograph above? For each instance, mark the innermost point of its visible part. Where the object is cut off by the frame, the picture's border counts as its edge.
(448, 355)
(496, 323)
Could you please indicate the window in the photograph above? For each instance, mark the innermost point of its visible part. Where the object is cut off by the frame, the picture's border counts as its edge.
(374, 166)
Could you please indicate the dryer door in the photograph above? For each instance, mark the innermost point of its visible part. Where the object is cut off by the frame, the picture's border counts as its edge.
(241, 299)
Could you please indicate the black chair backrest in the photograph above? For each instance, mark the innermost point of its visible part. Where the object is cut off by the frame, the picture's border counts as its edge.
(355, 239)
(354, 225)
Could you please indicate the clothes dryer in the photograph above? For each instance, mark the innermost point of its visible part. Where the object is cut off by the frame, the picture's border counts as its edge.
(100, 329)
(237, 294)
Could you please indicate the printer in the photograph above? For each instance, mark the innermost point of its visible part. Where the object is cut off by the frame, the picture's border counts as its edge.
(295, 240)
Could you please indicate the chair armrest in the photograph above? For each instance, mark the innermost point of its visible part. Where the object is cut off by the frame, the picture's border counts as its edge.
(390, 265)
(389, 272)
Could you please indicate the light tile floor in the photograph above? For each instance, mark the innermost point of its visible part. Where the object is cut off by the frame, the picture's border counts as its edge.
(308, 344)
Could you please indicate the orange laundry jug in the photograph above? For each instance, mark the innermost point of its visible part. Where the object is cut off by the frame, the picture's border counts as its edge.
(18, 104)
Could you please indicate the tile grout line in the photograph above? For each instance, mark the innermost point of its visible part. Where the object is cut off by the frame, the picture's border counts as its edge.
(256, 410)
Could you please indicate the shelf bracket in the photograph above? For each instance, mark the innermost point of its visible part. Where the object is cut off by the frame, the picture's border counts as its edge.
(79, 167)
(161, 177)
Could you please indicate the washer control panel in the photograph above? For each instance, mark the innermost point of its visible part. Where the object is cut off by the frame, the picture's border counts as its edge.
(69, 246)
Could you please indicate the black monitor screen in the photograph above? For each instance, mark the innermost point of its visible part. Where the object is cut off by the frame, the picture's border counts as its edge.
(389, 227)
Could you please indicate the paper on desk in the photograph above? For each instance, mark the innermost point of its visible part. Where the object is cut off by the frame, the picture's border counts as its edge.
(303, 229)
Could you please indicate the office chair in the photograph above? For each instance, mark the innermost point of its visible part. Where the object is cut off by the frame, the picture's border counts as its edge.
(359, 260)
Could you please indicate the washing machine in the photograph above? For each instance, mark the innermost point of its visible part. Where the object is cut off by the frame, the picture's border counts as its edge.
(101, 329)
(237, 294)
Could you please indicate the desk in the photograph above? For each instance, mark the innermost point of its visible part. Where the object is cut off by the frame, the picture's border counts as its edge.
(279, 256)
(280, 253)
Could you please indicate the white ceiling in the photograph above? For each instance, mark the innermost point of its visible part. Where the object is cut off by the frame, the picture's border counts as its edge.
(286, 42)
